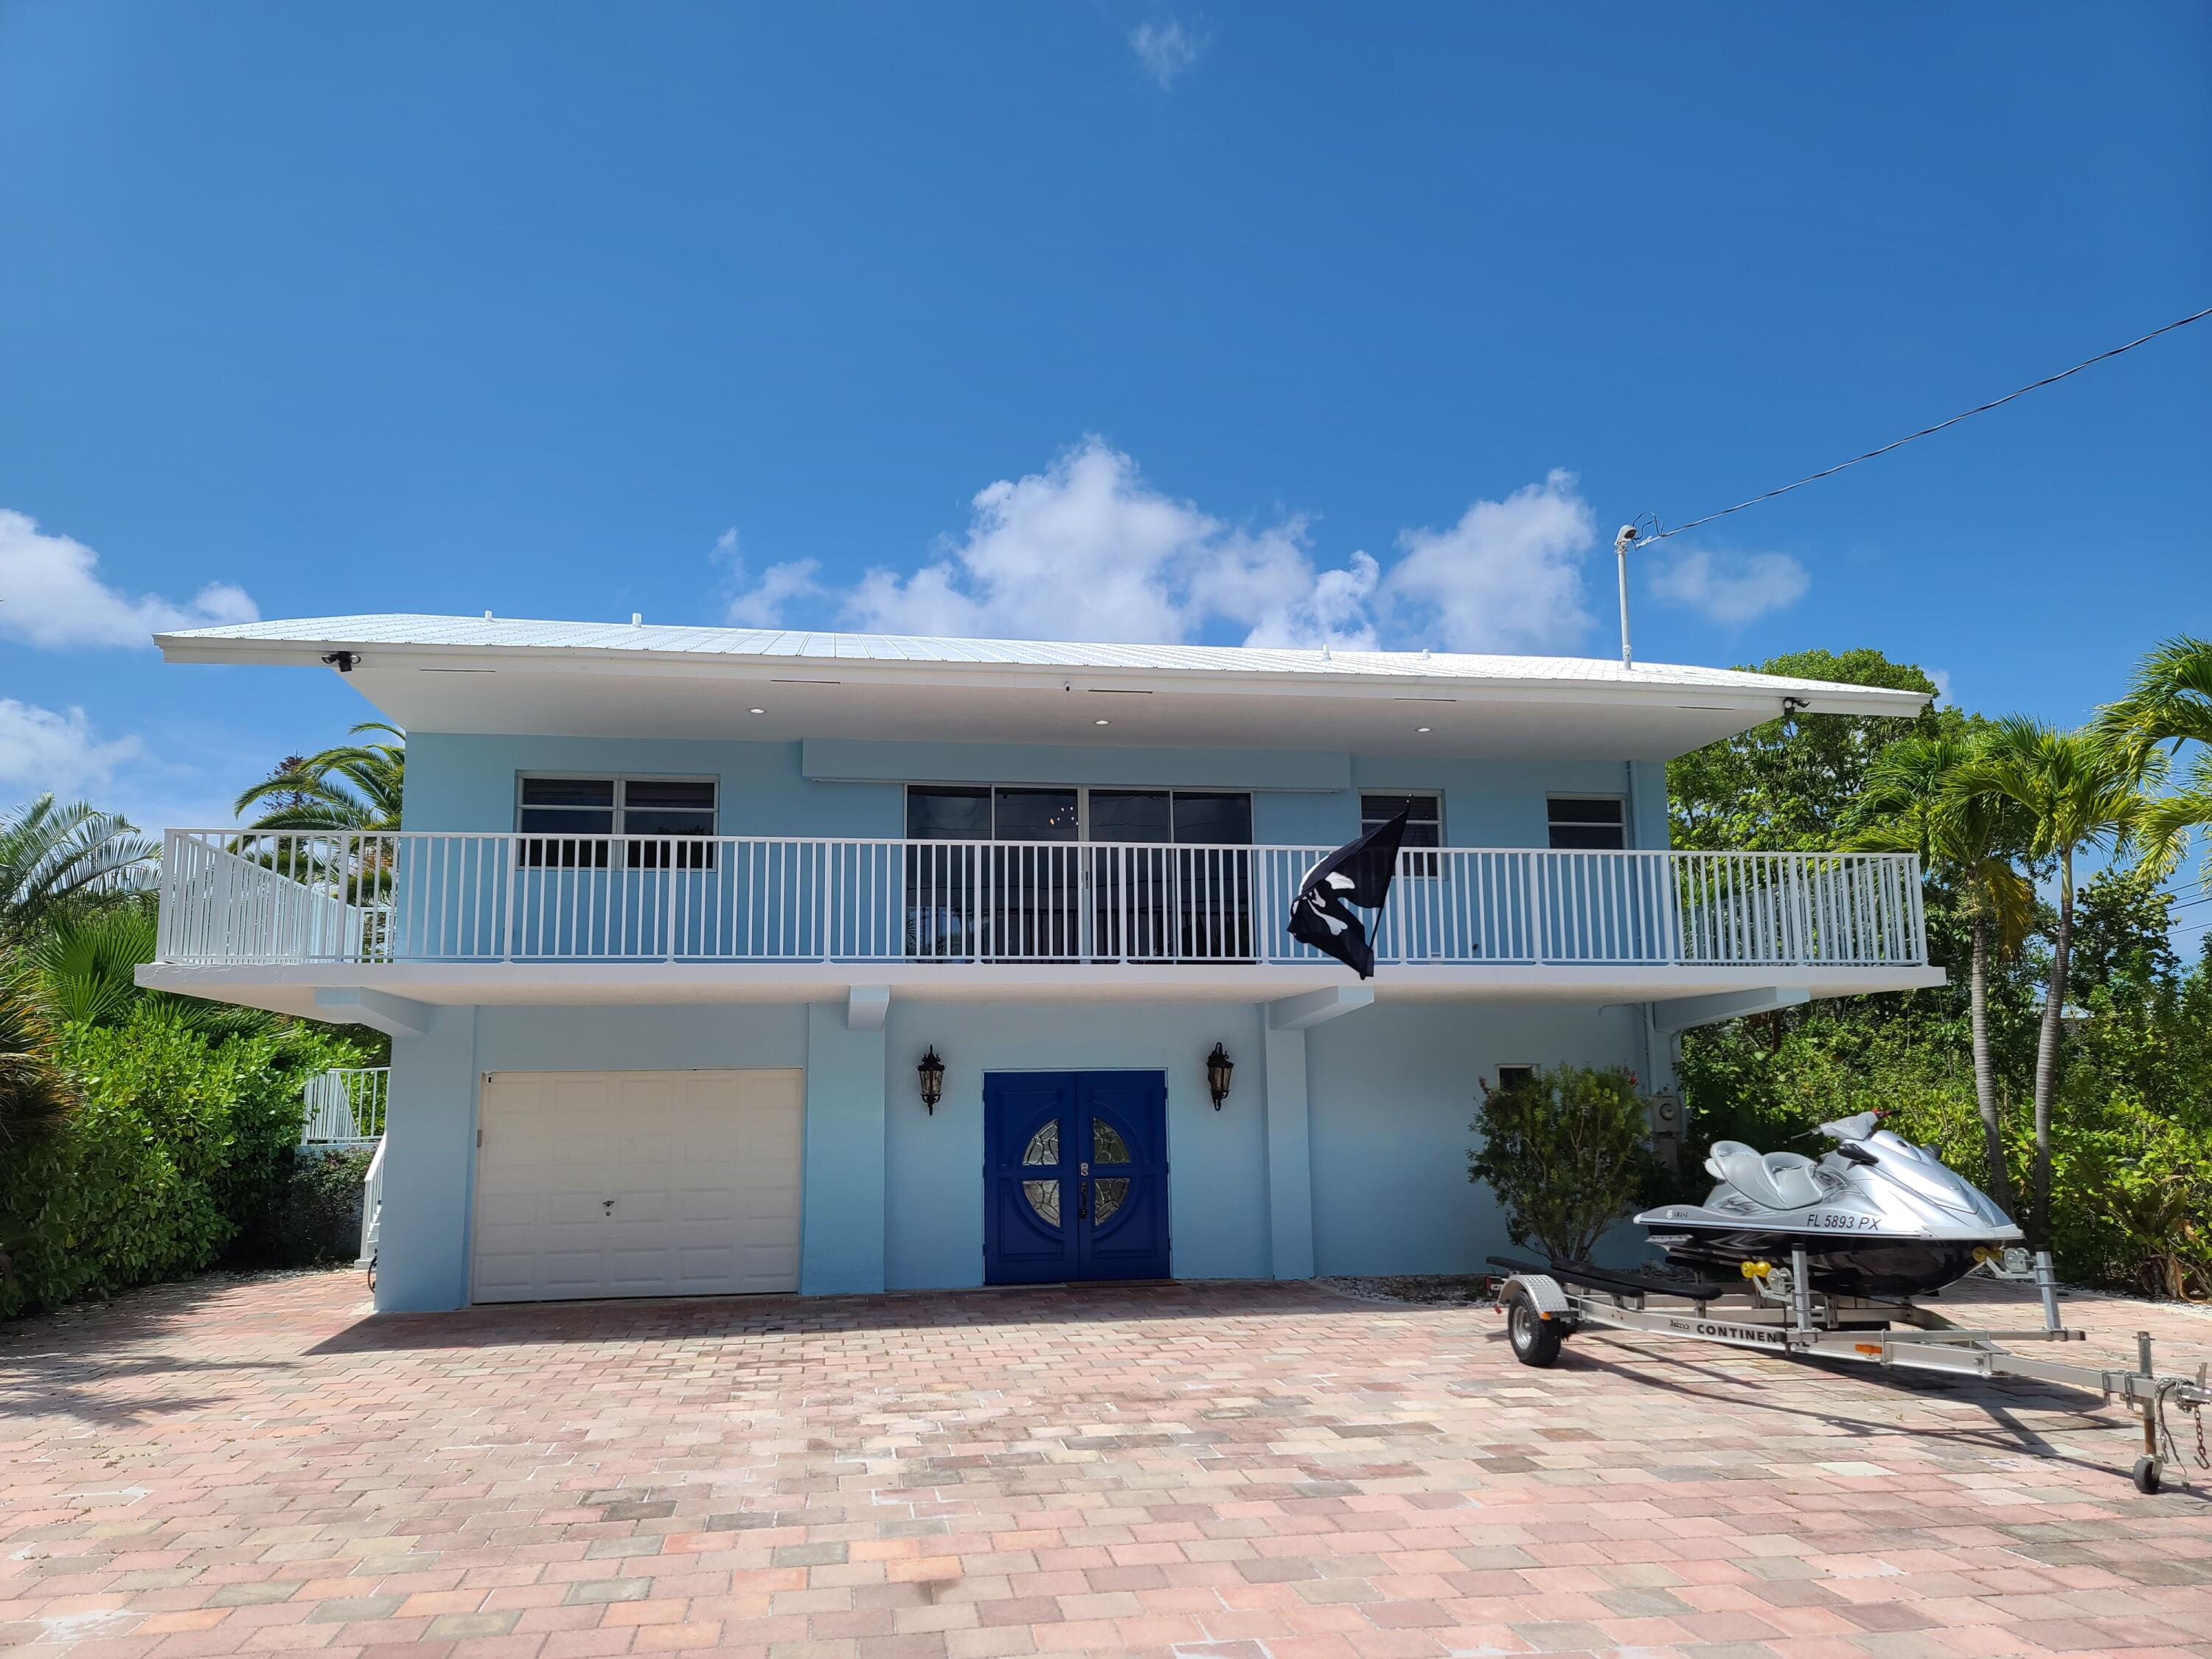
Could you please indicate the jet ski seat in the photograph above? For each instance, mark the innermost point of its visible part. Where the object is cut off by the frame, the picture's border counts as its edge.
(1775, 1181)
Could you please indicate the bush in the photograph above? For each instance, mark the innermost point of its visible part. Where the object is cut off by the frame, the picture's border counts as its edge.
(1567, 1152)
(180, 1146)
(318, 1223)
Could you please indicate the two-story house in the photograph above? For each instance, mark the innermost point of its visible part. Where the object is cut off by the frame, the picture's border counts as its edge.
(718, 960)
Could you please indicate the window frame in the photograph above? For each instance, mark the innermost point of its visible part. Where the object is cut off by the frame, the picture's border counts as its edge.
(1505, 1066)
(636, 846)
(1552, 825)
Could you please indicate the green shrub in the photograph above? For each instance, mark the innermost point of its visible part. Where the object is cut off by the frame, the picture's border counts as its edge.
(318, 1222)
(180, 1147)
(1567, 1151)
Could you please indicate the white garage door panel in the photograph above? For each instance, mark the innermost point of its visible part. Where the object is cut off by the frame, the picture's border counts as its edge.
(637, 1183)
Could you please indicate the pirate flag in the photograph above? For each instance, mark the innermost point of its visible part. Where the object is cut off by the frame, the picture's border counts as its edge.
(1358, 872)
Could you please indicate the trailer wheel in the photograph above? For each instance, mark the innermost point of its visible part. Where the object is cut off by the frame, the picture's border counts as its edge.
(1535, 1338)
(2146, 1475)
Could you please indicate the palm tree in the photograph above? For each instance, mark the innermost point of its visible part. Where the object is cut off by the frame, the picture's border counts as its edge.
(2075, 791)
(49, 853)
(34, 1094)
(1915, 789)
(353, 786)
(2169, 703)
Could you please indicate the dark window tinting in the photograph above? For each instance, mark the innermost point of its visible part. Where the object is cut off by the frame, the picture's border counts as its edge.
(1509, 1075)
(568, 806)
(1038, 815)
(669, 807)
(1587, 824)
(1138, 815)
(1424, 829)
(1212, 820)
(948, 814)
(1424, 824)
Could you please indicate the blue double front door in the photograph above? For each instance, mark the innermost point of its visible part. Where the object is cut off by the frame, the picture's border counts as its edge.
(1075, 1176)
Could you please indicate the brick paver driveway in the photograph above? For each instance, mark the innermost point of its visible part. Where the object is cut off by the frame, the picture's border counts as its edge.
(1233, 1470)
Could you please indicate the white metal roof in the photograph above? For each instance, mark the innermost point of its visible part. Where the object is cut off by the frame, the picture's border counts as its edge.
(515, 675)
(527, 635)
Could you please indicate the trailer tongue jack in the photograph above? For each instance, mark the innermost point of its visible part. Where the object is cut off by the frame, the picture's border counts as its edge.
(1778, 1311)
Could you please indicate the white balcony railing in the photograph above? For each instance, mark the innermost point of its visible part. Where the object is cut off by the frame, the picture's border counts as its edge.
(430, 897)
(345, 1106)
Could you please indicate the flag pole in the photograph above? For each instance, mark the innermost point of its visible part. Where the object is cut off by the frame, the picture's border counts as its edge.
(1620, 553)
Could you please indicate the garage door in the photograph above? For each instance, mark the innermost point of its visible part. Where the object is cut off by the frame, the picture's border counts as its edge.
(637, 1183)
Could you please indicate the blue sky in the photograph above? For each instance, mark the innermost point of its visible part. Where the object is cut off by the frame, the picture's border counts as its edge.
(1120, 320)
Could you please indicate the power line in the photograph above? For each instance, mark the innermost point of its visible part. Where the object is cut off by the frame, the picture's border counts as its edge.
(1660, 532)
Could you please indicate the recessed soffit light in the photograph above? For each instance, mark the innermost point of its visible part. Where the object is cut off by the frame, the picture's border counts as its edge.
(1101, 722)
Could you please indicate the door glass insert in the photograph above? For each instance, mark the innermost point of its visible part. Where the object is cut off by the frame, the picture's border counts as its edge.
(1110, 1194)
(1044, 1199)
(1044, 1144)
(1107, 1146)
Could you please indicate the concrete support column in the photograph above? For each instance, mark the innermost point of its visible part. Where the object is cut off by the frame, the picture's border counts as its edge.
(1290, 1166)
(429, 1166)
(841, 1212)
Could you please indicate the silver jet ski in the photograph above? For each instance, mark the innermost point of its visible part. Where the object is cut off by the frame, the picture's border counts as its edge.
(1878, 1216)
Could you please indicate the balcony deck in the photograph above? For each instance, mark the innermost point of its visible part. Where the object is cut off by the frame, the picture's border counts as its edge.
(452, 918)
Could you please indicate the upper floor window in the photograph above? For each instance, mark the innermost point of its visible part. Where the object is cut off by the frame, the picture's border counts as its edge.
(1588, 822)
(559, 817)
(976, 812)
(1424, 824)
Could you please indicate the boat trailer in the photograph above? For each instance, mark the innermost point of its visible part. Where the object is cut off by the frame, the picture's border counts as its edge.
(1777, 1310)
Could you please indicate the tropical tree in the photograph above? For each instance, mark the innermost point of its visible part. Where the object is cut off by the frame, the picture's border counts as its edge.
(1918, 800)
(2075, 793)
(34, 1093)
(355, 786)
(2170, 703)
(50, 854)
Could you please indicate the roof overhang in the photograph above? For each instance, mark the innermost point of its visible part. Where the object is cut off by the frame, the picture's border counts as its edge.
(666, 684)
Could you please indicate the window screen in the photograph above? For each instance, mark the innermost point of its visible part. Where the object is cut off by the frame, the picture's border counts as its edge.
(1595, 823)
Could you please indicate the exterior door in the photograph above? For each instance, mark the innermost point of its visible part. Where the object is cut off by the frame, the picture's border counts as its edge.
(1075, 1176)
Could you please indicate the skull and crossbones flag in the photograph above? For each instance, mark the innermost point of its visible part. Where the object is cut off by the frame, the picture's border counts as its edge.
(1358, 872)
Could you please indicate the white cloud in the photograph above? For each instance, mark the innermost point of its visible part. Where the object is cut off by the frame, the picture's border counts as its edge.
(1086, 549)
(1507, 577)
(51, 594)
(762, 604)
(41, 750)
(1168, 50)
(1942, 679)
(1730, 588)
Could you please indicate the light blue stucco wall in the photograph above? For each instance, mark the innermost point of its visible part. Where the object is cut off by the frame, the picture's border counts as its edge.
(893, 1195)
(1217, 1178)
(468, 783)
(1391, 1092)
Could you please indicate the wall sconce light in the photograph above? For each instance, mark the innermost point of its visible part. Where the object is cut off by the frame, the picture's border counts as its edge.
(931, 1070)
(1219, 1066)
(1792, 708)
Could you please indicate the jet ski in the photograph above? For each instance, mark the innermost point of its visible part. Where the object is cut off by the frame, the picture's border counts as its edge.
(1877, 1217)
